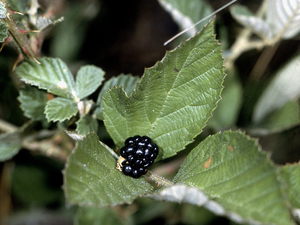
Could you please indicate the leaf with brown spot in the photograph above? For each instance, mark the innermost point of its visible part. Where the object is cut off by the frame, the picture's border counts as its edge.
(207, 163)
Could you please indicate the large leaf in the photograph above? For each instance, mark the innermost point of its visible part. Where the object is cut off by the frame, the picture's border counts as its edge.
(60, 109)
(52, 75)
(283, 88)
(128, 83)
(88, 79)
(91, 177)
(10, 144)
(284, 17)
(174, 99)
(33, 102)
(230, 169)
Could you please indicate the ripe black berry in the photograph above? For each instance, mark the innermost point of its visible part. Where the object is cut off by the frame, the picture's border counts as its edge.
(137, 155)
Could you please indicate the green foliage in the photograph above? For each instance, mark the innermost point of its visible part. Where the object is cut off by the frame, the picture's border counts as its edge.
(128, 82)
(173, 100)
(3, 31)
(70, 120)
(52, 75)
(33, 102)
(228, 165)
(88, 79)
(10, 144)
(60, 109)
(91, 177)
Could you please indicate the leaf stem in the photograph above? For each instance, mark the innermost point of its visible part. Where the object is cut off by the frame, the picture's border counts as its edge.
(158, 179)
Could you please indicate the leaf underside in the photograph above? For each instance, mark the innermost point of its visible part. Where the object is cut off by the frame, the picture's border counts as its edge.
(173, 100)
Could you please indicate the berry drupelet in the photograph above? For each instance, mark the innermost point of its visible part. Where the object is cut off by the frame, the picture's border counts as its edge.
(137, 155)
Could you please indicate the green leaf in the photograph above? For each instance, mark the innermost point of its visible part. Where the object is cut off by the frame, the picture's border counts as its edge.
(33, 102)
(128, 83)
(10, 144)
(91, 177)
(52, 75)
(230, 169)
(88, 79)
(19, 6)
(289, 175)
(174, 99)
(87, 124)
(60, 109)
(3, 31)
(96, 215)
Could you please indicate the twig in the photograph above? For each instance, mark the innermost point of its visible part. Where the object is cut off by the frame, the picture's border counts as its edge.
(7, 127)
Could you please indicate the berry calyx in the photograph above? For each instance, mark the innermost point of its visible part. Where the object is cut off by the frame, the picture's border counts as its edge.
(137, 155)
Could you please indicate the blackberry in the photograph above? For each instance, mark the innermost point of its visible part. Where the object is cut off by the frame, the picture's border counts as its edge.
(137, 155)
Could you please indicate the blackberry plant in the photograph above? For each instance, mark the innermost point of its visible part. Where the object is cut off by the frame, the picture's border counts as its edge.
(172, 102)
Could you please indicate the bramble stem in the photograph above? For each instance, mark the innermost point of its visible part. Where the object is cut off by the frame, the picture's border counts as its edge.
(158, 179)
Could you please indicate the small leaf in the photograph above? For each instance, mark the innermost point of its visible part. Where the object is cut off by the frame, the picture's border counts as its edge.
(284, 17)
(128, 83)
(245, 17)
(187, 13)
(10, 144)
(19, 6)
(284, 87)
(2, 11)
(237, 167)
(33, 102)
(87, 124)
(60, 109)
(96, 215)
(3, 31)
(52, 75)
(173, 100)
(91, 177)
(88, 79)
(42, 22)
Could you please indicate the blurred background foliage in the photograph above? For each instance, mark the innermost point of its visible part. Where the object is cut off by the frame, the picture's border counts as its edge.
(125, 37)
